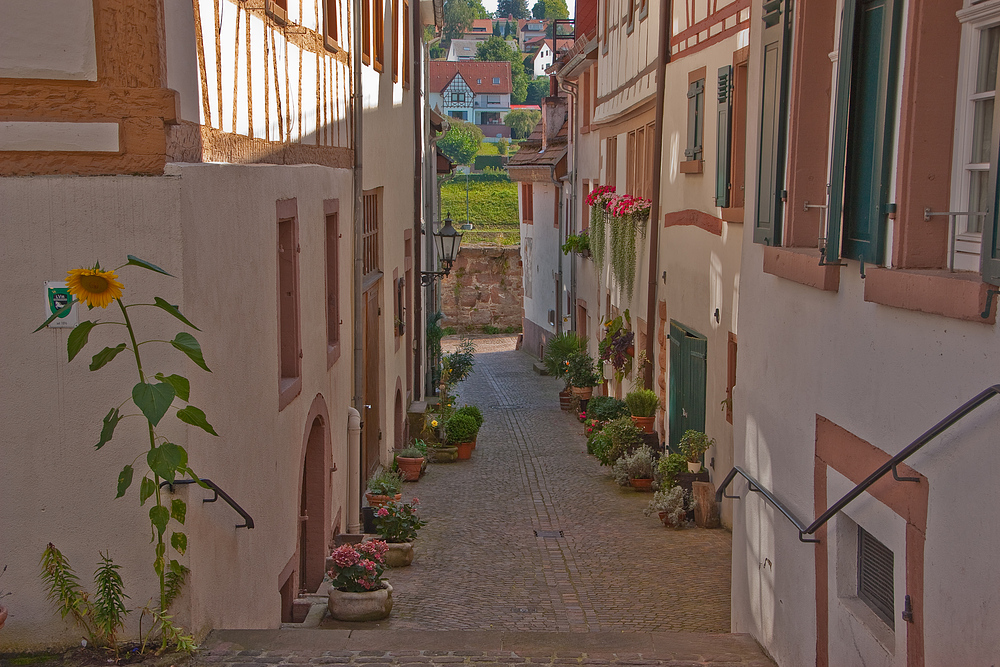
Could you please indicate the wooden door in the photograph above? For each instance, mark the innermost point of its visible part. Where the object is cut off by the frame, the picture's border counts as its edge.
(688, 369)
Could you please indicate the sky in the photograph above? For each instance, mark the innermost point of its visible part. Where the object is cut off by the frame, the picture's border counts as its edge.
(491, 6)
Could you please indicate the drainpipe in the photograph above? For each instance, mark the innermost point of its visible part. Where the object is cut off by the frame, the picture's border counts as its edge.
(559, 270)
(573, 91)
(662, 58)
(353, 463)
(359, 331)
(416, 87)
(432, 193)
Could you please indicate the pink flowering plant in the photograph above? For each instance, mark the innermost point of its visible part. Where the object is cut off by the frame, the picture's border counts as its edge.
(398, 521)
(600, 196)
(358, 568)
(627, 206)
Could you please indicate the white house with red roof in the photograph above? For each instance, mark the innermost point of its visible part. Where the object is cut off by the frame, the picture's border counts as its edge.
(546, 53)
(474, 91)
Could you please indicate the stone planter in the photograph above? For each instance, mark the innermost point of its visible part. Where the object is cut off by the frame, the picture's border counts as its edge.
(410, 468)
(378, 501)
(400, 554)
(367, 606)
(644, 423)
(442, 454)
(464, 450)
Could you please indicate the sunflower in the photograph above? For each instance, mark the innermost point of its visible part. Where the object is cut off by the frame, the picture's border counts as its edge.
(95, 287)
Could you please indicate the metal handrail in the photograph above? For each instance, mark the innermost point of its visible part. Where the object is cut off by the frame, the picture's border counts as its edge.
(204, 481)
(890, 465)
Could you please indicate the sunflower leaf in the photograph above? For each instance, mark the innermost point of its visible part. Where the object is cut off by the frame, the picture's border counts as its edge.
(172, 309)
(188, 344)
(78, 337)
(153, 399)
(135, 261)
(195, 417)
(124, 480)
(179, 542)
(58, 313)
(102, 358)
(178, 510)
(159, 516)
(147, 487)
(108, 430)
(180, 384)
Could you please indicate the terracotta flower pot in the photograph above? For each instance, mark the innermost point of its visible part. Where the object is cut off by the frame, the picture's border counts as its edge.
(400, 554)
(644, 423)
(584, 393)
(670, 520)
(464, 450)
(366, 606)
(641, 484)
(410, 467)
(3, 616)
(378, 501)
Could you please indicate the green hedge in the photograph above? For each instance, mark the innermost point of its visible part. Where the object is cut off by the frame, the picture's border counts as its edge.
(483, 161)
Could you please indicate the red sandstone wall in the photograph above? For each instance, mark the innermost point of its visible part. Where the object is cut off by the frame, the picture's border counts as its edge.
(484, 288)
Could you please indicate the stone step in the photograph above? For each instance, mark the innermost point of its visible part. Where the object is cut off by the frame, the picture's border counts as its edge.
(479, 648)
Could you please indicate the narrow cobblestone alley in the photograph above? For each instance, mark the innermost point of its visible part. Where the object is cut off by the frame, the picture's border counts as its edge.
(644, 595)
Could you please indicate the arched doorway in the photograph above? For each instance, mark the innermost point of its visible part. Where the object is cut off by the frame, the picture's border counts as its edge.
(313, 509)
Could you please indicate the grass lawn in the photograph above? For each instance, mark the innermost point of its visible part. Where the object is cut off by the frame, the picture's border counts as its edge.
(492, 209)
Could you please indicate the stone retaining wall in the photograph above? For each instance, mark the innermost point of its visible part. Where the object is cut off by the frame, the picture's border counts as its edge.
(484, 289)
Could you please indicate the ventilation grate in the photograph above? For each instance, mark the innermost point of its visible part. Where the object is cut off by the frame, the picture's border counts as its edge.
(548, 533)
(875, 580)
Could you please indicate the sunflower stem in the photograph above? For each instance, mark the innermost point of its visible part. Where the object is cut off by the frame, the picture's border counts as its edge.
(161, 570)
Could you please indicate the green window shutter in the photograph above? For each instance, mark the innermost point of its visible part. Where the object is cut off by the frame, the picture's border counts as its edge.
(773, 121)
(724, 132)
(696, 100)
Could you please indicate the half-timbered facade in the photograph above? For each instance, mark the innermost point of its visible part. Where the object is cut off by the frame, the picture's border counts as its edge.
(216, 139)
(474, 91)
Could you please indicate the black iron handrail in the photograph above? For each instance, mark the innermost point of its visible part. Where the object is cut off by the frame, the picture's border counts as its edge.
(890, 465)
(247, 519)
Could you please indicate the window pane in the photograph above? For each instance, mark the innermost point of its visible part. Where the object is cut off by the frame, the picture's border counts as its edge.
(982, 131)
(979, 194)
(989, 47)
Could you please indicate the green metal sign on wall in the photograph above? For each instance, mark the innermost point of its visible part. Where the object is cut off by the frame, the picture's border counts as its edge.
(57, 297)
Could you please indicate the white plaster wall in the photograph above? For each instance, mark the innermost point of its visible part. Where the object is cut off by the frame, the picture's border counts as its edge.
(221, 247)
(886, 375)
(628, 54)
(48, 39)
(544, 256)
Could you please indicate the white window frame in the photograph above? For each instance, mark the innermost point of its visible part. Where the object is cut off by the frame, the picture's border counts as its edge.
(974, 18)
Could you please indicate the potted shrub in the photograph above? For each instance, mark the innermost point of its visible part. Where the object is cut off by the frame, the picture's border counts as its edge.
(636, 469)
(461, 429)
(397, 524)
(670, 504)
(624, 437)
(410, 462)
(557, 352)
(578, 243)
(693, 446)
(617, 346)
(476, 414)
(643, 404)
(357, 590)
(668, 469)
(384, 486)
(583, 375)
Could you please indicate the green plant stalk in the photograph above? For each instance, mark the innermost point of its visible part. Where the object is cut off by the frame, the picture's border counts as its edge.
(160, 546)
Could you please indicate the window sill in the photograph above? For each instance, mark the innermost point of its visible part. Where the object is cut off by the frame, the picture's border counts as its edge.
(960, 295)
(801, 265)
(692, 166)
(733, 214)
(288, 389)
(332, 354)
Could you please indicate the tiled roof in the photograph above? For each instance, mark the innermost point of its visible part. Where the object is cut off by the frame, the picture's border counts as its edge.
(472, 71)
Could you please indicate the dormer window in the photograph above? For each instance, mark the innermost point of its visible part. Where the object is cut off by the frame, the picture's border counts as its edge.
(496, 81)
(479, 81)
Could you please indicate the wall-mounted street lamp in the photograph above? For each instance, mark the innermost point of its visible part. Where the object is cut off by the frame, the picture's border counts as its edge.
(448, 241)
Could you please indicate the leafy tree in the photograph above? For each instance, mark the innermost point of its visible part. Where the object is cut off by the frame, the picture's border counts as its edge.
(537, 89)
(520, 122)
(497, 30)
(458, 18)
(478, 9)
(516, 8)
(556, 9)
(502, 147)
(495, 49)
(538, 9)
(461, 142)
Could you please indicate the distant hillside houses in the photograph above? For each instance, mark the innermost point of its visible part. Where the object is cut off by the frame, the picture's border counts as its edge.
(474, 91)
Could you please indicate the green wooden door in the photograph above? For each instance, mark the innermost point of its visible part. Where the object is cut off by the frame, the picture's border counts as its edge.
(688, 369)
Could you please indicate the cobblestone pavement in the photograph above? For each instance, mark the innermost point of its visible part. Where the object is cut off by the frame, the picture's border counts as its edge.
(533, 535)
